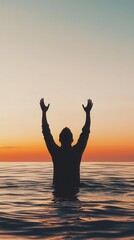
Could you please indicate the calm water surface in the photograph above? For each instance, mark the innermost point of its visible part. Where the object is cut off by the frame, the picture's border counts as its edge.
(104, 208)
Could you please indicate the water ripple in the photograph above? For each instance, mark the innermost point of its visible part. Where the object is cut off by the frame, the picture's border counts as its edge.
(103, 209)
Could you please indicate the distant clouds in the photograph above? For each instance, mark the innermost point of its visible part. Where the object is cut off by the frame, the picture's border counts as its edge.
(9, 147)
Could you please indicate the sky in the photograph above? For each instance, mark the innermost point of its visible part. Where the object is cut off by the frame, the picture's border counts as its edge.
(67, 51)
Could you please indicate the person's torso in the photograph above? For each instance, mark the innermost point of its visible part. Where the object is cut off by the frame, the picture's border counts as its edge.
(66, 166)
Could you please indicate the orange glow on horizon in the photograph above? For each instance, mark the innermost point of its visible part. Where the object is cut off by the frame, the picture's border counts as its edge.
(92, 153)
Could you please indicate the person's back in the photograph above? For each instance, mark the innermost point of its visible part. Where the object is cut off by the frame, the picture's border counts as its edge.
(66, 158)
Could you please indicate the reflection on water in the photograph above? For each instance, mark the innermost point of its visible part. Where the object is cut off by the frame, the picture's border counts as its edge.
(101, 209)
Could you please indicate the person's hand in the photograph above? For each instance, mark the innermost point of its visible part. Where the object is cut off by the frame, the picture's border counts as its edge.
(44, 108)
(88, 108)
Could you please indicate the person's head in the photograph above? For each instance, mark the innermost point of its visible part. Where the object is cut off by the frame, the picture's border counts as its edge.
(66, 137)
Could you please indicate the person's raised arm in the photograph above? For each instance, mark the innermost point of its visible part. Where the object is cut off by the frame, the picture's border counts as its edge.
(44, 109)
(87, 110)
(45, 127)
(82, 141)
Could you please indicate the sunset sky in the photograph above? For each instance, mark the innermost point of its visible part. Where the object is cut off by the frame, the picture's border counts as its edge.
(67, 51)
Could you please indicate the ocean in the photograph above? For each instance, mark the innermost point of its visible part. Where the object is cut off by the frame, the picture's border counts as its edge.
(102, 209)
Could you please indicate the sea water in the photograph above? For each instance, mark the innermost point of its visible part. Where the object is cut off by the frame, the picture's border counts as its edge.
(103, 209)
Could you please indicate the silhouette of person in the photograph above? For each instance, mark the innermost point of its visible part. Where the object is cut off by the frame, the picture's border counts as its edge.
(66, 158)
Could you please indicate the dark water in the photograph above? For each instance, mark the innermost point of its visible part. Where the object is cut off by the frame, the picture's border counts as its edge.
(104, 208)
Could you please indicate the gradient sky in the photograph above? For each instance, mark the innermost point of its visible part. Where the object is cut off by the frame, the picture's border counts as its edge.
(67, 51)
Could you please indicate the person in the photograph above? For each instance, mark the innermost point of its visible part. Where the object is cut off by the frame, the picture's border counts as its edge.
(66, 158)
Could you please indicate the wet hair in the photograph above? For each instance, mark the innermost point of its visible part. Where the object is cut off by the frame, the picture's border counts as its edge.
(66, 136)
